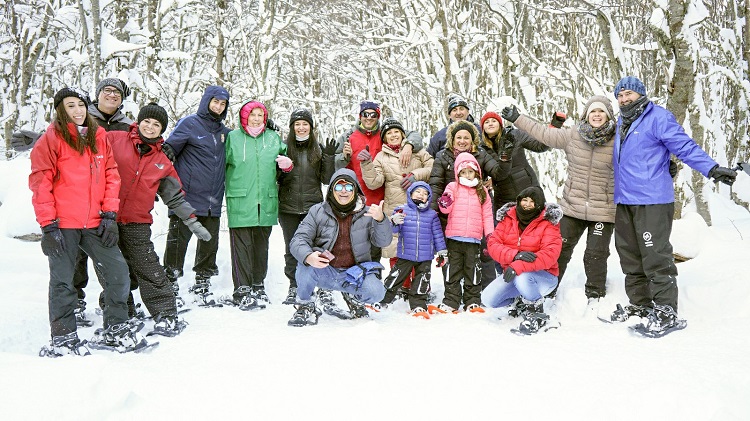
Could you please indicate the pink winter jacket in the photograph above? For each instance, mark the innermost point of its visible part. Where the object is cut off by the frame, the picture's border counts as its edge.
(467, 217)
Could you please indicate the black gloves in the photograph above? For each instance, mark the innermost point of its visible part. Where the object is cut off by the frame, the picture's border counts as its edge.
(510, 113)
(52, 240)
(673, 169)
(329, 148)
(725, 175)
(108, 229)
(271, 125)
(526, 256)
(23, 140)
(558, 119)
(168, 151)
(509, 274)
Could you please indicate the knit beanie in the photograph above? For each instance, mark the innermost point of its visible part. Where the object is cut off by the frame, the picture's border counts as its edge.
(153, 110)
(71, 92)
(456, 100)
(369, 105)
(491, 114)
(391, 123)
(598, 101)
(301, 114)
(526, 216)
(115, 83)
(630, 83)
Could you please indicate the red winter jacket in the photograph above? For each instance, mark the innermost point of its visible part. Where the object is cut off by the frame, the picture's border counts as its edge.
(71, 187)
(541, 236)
(145, 176)
(359, 139)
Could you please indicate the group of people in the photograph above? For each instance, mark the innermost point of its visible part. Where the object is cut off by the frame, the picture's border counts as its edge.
(470, 197)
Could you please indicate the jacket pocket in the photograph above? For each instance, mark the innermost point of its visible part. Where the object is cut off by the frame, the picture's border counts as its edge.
(237, 192)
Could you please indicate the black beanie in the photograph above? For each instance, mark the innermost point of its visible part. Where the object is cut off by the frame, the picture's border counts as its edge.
(301, 114)
(153, 110)
(526, 216)
(391, 123)
(71, 92)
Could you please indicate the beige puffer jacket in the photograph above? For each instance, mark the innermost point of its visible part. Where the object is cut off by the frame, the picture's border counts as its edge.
(590, 185)
(386, 169)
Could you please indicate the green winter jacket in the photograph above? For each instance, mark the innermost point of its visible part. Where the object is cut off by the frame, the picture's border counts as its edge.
(251, 174)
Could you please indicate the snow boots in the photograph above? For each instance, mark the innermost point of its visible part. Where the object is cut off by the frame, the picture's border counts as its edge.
(168, 325)
(622, 314)
(291, 296)
(80, 313)
(356, 308)
(121, 337)
(65, 345)
(306, 314)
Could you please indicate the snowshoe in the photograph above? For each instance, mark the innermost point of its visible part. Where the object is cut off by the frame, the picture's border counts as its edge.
(261, 296)
(517, 308)
(440, 309)
(122, 338)
(474, 308)
(307, 314)
(623, 314)
(329, 307)
(420, 312)
(357, 309)
(291, 296)
(662, 320)
(534, 319)
(179, 301)
(201, 286)
(65, 345)
(244, 299)
(169, 326)
(80, 313)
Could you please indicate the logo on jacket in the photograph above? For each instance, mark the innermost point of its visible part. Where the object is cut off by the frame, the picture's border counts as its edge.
(647, 239)
(160, 166)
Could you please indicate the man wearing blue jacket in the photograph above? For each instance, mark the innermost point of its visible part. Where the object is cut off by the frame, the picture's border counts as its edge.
(644, 195)
(196, 146)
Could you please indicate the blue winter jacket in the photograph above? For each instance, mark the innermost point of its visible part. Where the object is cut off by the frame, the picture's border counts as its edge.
(641, 160)
(198, 143)
(420, 236)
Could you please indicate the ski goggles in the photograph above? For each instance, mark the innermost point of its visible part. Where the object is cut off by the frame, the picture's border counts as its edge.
(369, 114)
(344, 186)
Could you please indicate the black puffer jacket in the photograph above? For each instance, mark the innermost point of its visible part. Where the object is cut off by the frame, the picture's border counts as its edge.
(521, 174)
(300, 188)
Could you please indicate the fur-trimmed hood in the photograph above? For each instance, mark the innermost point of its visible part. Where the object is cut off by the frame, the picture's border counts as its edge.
(552, 212)
(462, 125)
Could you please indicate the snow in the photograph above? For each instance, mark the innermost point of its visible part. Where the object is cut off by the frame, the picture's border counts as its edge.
(229, 363)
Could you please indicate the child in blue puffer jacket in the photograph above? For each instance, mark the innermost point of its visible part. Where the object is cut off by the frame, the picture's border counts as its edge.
(420, 236)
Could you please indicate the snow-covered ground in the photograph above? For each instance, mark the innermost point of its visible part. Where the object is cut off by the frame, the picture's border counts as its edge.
(230, 364)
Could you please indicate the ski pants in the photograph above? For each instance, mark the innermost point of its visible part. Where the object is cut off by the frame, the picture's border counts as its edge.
(331, 278)
(420, 284)
(62, 293)
(465, 265)
(289, 223)
(598, 237)
(145, 270)
(642, 242)
(531, 286)
(249, 248)
(178, 238)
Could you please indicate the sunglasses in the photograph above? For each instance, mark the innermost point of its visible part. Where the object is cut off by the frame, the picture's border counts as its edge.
(344, 186)
(369, 114)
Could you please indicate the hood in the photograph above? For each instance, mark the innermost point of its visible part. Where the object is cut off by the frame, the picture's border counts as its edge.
(349, 175)
(552, 212)
(600, 101)
(411, 188)
(245, 113)
(462, 125)
(463, 160)
(217, 92)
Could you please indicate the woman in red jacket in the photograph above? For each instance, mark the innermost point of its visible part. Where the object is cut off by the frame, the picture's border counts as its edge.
(526, 242)
(75, 185)
(146, 172)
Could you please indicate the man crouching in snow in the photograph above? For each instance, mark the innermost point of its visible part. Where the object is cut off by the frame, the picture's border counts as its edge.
(332, 246)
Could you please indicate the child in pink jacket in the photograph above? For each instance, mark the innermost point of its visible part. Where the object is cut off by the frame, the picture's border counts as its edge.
(469, 209)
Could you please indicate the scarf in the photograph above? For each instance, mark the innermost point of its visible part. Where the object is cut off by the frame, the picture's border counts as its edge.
(630, 113)
(599, 135)
(302, 139)
(255, 131)
(394, 148)
(526, 216)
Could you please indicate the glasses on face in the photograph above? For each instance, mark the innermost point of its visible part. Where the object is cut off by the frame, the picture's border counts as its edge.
(111, 92)
(369, 114)
(344, 186)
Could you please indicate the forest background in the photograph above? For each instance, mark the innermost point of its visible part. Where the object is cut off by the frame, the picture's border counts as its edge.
(548, 55)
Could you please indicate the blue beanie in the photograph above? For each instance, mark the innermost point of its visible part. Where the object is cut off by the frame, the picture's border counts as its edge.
(369, 105)
(630, 83)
